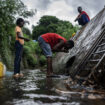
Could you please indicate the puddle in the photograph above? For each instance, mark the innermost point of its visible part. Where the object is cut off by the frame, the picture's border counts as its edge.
(35, 89)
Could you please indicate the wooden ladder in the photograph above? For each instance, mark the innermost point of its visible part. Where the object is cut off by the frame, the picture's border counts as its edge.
(93, 60)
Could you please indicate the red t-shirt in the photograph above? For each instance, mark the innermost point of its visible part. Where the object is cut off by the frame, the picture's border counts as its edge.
(52, 38)
(83, 12)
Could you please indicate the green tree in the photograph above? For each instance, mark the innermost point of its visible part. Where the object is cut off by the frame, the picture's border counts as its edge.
(47, 20)
(45, 24)
(52, 24)
(26, 31)
(9, 9)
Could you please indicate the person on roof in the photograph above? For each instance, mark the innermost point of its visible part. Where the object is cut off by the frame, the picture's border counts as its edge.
(82, 18)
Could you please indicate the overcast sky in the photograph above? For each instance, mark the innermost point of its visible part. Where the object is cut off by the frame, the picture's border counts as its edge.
(63, 9)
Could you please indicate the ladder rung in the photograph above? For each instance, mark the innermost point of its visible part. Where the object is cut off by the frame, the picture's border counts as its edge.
(101, 45)
(103, 38)
(100, 61)
(95, 60)
(99, 52)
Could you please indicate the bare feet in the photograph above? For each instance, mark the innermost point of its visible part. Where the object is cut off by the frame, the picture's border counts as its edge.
(21, 75)
(17, 75)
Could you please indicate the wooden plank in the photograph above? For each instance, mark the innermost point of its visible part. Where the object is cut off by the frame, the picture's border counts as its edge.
(100, 61)
(94, 60)
(101, 45)
(92, 49)
(98, 52)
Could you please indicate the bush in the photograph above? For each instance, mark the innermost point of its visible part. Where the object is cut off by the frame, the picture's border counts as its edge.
(38, 50)
(27, 50)
(32, 61)
(29, 54)
(42, 60)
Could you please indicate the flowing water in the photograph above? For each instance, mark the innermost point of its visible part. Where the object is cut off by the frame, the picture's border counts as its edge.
(35, 89)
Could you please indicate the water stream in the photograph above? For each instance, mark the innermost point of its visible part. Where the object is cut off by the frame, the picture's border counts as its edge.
(35, 89)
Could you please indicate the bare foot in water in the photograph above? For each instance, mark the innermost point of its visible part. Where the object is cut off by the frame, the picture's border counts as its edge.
(17, 75)
(21, 75)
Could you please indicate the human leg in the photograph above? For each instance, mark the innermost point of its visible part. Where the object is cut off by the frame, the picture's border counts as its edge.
(48, 53)
(49, 66)
(18, 54)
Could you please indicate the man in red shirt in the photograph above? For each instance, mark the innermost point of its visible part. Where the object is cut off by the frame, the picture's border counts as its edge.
(83, 17)
(52, 42)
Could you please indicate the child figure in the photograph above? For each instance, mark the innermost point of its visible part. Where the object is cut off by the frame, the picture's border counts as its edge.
(19, 47)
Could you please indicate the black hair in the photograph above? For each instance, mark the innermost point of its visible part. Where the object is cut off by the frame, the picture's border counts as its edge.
(80, 8)
(71, 43)
(19, 20)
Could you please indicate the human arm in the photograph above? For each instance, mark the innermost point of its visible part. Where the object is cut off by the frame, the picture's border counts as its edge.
(59, 47)
(20, 36)
(77, 18)
(61, 50)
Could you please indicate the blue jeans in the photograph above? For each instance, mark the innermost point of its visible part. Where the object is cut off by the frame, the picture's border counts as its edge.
(18, 55)
(45, 47)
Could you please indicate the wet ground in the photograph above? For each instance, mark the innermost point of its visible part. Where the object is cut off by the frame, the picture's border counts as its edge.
(35, 89)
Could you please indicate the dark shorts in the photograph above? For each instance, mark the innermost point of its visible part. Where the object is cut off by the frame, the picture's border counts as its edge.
(45, 47)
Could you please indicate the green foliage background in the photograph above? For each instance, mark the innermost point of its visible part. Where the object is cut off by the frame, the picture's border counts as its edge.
(52, 24)
(32, 55)
(9, 9)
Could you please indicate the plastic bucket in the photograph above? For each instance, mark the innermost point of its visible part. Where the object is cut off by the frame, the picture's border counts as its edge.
(2, 69)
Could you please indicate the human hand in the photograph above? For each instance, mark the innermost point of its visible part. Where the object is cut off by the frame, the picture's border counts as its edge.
(27, 40)
(66, 51)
